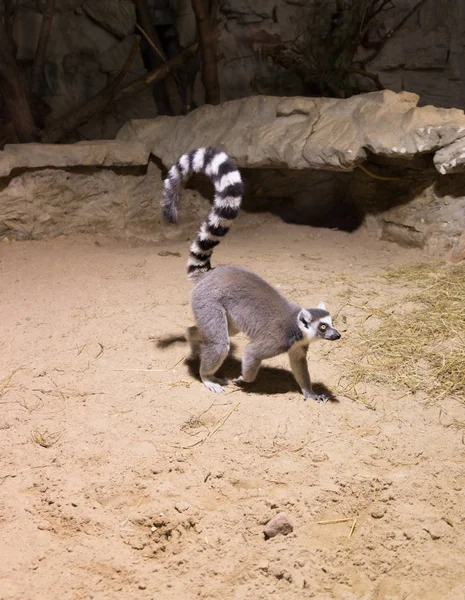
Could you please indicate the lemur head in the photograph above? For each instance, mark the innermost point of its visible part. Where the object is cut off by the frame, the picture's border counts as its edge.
(316, 323)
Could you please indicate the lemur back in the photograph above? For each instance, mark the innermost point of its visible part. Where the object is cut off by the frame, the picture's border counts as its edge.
(254, 307)
(228, 299)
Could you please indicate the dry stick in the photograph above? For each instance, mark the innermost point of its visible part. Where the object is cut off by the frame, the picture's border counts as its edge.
(380, 177)
(333, 521)
(171, 89)
(142, 82)
(125, 522)
(373, 76)
(75, 118)
(208, 49)
(39, 58)
(352, 528)
(391, 32)
(155, 49)
(381, 8)
(220, 424)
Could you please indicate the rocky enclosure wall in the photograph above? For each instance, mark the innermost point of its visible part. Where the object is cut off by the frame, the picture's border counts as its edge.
(90, 40)
(426, 56)
(375, 159)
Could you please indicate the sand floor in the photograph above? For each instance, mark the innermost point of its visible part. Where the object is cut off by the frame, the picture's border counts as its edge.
(121, 476)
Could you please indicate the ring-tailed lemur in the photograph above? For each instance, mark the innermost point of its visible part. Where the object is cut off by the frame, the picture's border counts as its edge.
(228, 299)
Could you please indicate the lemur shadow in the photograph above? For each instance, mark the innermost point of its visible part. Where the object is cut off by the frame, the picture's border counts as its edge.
(270, 380)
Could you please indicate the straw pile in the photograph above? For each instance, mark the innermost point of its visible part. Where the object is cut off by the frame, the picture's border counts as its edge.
(419, 345)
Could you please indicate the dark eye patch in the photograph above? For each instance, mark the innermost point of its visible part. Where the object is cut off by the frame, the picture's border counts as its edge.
(323, 327)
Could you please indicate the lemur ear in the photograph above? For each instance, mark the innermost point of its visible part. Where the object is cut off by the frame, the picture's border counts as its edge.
(322, 305)
(305, 317)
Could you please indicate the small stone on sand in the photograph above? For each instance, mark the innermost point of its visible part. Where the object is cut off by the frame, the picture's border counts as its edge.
(280, 524)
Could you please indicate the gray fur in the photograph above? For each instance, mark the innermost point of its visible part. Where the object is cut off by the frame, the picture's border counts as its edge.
(230, 299)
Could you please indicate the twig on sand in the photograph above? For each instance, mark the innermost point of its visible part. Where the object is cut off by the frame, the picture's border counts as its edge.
(334, 521)
(218, 426)
(352, 528)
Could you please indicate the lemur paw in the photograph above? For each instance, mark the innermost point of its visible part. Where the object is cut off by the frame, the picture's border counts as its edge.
(323, 398)
(214, 384)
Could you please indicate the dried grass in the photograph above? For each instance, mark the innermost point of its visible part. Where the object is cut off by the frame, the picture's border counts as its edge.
(44, 439)
(419, 345)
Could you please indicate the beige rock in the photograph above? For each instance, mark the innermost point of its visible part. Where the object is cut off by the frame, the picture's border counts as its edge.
(451, 159)
(304, 133)
(280, 524)
(81, 154)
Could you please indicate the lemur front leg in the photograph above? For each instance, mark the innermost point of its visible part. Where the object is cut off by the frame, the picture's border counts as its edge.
(298, 360)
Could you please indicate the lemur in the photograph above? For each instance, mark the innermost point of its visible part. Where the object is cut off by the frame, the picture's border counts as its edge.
(228, 299)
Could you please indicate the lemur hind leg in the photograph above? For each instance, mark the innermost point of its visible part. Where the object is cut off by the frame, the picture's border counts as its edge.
(194, 338)
(251, 362)
(214, 348)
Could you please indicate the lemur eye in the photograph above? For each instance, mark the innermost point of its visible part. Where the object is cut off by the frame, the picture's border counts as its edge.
(323, 327)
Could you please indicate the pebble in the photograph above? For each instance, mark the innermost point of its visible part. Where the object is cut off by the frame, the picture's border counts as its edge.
(182, 506)
(436, 531)
(279, 524)
(378, 512)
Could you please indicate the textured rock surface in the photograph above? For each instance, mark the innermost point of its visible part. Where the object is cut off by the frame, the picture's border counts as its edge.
(90, 40)
(50, 202)
(83, 154)
(89, 43)
(425, 56)
(376, 158)
(49, 190)
(451, 159)
(411, 149)
(117, 16)
(305, 133)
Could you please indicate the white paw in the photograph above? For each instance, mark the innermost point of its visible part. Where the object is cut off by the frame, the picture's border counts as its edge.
(213, 386)
(323, 398)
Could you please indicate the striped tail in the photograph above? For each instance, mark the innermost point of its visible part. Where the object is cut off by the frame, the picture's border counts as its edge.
(225, 176)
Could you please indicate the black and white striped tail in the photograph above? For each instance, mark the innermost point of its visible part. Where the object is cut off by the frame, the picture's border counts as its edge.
(225, 176)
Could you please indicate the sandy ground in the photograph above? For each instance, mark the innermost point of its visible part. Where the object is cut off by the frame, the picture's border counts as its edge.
(121, 476)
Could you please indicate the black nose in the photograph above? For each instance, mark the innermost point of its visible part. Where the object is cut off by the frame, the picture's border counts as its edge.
(336, 335)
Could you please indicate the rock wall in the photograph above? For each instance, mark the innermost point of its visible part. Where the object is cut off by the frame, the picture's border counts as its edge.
(106, 186)
(426, 56)
(377, 159)
(90, 40)
(88, 45)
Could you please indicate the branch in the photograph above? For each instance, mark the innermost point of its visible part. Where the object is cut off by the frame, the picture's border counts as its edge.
(207, 38)
(15, 100)
(158, 74)
(374, 13)
(391, 32)
(39, 59)
(75, 118)
(373, 76)
(57, 130)
(150, 33)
